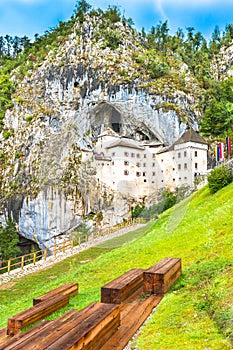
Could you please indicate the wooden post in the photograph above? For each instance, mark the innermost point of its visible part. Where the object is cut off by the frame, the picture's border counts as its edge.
(63, 247)
(8, 266)
(34, 258)
(71, 244)
(22, 262)
(55, 251)
(45, 254)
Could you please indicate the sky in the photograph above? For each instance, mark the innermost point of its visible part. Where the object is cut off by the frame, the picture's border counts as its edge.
(30, 17)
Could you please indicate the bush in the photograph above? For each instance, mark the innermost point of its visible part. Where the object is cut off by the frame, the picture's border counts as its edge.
(137, 211)
(8, 241)
(219, 178)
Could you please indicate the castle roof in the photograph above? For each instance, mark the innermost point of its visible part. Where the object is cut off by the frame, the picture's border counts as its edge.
(124, 142)
(108, 132)
(190, 135)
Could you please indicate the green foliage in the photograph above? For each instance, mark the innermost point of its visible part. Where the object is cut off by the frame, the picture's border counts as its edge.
(136, 211)
(81, 9)
(112, 39)
(8, 241)
(218, 116)
(7, 134)
(219, 178)
(29, 118)
(167, 200)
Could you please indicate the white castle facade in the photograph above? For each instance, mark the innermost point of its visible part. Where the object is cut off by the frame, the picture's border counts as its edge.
(142, 168)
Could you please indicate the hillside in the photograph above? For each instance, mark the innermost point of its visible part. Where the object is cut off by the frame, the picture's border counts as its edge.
(197, 313)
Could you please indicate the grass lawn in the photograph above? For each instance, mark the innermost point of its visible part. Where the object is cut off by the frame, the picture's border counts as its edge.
(197, 313)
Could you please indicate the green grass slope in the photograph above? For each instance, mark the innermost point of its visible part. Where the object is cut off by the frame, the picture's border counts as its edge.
(197, 313)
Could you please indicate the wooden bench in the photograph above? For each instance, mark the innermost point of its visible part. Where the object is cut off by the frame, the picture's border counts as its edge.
(35, 313)
(121, 288)
(87, 329)
(160, 277)
(68, 289)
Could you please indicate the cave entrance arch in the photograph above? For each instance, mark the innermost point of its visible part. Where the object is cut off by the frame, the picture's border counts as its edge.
(105, 115)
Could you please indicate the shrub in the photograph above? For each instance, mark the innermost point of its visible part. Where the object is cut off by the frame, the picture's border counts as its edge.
(219, 178)
(8, 241)
(137, 211)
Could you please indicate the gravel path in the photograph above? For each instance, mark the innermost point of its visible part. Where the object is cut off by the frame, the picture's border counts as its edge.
(51, 260)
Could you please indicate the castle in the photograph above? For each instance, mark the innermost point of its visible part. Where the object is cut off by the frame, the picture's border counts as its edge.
(142, 168)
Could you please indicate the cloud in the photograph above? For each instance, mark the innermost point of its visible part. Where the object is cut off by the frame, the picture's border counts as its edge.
(159, 8)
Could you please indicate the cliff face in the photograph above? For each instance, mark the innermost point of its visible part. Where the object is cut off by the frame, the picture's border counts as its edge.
(61, 107)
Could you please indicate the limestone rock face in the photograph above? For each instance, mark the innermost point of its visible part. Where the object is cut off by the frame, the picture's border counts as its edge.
(62, 106)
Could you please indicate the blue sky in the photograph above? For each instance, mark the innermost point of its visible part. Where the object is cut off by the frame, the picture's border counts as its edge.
(28, 17)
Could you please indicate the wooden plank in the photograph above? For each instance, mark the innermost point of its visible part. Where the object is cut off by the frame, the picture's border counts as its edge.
(122, 287)
(160, 277)
(35, 313)
(134, 316)
(3, 335)
(13, 342)
(26, 342)
(69, 289)
(91, 333)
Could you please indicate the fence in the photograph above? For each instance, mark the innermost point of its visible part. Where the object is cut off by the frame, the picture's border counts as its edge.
(32, 258)
(105, 232)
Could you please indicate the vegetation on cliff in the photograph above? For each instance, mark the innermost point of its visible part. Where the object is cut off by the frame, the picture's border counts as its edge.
(164, 63)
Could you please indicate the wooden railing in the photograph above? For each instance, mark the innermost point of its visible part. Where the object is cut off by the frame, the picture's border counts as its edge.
(105, 232)
(33, 258)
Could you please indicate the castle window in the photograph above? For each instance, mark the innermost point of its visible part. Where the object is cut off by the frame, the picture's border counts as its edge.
(195, 153)
(144, 180)
(144, 164)
(112, 163)
(138, 155)
(132, 155)
(153, 174)
(179, 155)
(138, 165)
(185, 154)
(153, 155)
(138, 173)
(126, 154)
(113, 154)
(185, 165)
(153, 164)
(144, 174)
(144, 155)
(196, 166)
(173, 180)
(126, 172)
(126, 162)
(179, 166)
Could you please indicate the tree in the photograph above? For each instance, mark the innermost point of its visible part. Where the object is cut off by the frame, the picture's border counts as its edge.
(8, 241)
(81, 8)
(219, 178)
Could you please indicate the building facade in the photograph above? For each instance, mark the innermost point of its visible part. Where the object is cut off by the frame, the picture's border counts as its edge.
(141, 168)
